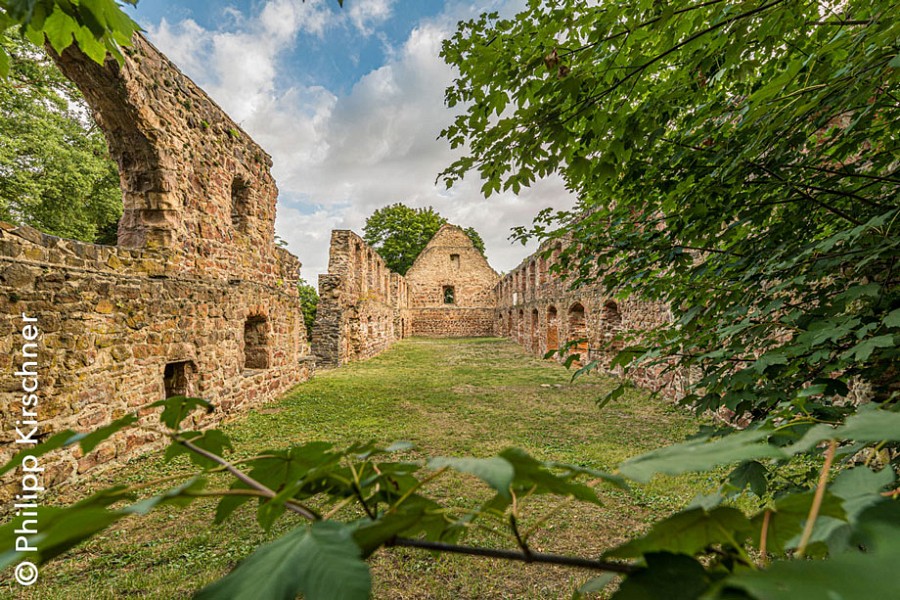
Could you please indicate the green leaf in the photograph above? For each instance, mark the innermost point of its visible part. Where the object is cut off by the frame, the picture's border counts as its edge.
(859, 488)
(788, 518)
(57, 440)
(177, 408)
(60, 29)
(892, 319)
(211, 440)
(320, 561)
(863, 350)
(847, 576)
(749, 473)
(594, 585)
(91, 440)
(688, 532)
(495, 471)
(666, 576)
(4, 63)
(700, 455)
(530, 473)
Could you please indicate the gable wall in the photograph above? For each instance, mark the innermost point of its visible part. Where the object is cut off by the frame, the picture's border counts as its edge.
(451, 260)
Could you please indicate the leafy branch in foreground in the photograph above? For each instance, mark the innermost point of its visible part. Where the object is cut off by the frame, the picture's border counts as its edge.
(709, 547)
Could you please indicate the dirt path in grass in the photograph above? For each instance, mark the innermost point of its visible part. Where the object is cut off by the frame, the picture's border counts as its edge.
(449, 397)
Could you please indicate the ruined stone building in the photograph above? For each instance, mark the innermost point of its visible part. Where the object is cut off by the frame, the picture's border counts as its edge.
(195, 299)
(451, 291)
(536, 307)
(451, 288)
(363, 306)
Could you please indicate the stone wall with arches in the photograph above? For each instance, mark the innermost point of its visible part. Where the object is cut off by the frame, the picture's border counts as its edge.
(363, 305)
(536, 308)
(195, 299)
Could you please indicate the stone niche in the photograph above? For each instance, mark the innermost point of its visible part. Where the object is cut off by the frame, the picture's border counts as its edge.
(195, 299)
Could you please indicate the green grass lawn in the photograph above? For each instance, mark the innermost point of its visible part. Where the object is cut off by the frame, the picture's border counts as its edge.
(449, 397)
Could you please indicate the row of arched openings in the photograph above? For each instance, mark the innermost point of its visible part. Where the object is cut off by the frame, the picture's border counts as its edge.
(541, 334)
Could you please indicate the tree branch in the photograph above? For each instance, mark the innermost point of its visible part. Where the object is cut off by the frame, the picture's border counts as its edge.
(534, 557)
(295, 507)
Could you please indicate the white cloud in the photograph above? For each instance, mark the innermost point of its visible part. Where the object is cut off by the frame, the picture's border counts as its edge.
(368, 14)
(342, 157)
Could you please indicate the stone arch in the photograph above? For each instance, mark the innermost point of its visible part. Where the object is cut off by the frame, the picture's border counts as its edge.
(532, 278)
(535, 331)
(610, 316)
(577, 332)
(552, 329)
(520, 327)
(147, 173)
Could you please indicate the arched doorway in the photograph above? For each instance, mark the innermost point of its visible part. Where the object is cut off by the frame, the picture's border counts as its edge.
(577, 334)
(552, 329)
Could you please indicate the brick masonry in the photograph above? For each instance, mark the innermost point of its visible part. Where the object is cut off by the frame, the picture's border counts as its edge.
(195, 299)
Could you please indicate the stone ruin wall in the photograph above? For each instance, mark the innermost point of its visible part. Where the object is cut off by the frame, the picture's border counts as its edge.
(450, 260)
(363, 305)
(536, 309)
(195, 299)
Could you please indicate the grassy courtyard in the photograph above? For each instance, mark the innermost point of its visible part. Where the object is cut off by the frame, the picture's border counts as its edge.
(449, 397)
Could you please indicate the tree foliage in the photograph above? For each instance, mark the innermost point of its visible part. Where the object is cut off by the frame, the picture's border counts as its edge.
(55, 170)
(98, 27)
(309, 303)
(736, 161)
(400, 233)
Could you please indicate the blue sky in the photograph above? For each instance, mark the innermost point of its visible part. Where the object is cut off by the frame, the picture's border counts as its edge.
(349, 103)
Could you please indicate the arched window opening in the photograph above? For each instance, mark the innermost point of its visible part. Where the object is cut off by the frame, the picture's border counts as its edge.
(449, 293)
(612, 320)
(240, 203)
(256, 343)
(552, 329)
(578, 333)
(178, 378)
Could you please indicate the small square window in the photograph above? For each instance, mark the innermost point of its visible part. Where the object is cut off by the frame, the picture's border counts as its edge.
(177, 378)
(449, 294)
(454, 260)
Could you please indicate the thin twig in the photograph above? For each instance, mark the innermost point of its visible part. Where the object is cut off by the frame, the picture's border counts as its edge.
(817, 499)
(291, 505)
(764, 537)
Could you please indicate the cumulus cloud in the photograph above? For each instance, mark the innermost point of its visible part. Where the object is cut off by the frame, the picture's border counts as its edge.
(340, 157)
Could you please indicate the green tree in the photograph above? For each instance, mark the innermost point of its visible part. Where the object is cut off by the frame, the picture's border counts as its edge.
(736, 161)
(55, 170)
(400, 233)
(309, 303)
